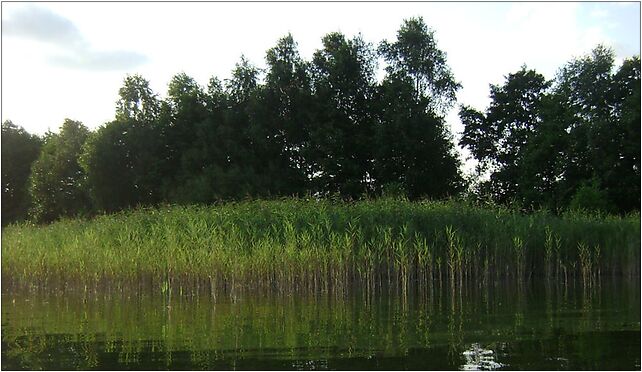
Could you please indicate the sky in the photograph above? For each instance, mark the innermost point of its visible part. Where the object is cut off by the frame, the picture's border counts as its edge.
(68, 60)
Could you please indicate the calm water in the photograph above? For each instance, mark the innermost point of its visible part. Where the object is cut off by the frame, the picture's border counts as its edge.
(503, 327)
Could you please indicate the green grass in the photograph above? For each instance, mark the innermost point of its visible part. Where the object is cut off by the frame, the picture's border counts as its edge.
(312, 245)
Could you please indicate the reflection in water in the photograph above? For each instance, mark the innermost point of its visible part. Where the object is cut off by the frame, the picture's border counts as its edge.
(489, 327)
(310, 365)
(479, 359)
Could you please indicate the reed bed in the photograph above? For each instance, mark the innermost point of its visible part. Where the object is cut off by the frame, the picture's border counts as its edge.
(319, 246)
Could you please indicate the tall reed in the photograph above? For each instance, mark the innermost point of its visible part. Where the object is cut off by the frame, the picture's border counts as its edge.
(318, 246)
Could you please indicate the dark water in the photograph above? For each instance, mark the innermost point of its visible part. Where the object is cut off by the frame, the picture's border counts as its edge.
(502, 327)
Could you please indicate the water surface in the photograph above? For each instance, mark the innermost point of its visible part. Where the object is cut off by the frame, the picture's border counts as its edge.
(533, 326)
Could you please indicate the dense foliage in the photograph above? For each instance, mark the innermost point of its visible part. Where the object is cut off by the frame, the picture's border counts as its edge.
(19, 150)
(57, 180)
(321, 245)
(328, 127)
(573, 141)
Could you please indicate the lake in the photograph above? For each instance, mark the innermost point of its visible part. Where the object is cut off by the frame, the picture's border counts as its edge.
(498, 326)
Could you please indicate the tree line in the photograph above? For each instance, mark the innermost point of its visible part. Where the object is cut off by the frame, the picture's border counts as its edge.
(573, 142)
(329, 127)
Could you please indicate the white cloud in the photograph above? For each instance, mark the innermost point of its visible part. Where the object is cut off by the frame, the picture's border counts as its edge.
(74, 51)
(98, 60)
(42, 24)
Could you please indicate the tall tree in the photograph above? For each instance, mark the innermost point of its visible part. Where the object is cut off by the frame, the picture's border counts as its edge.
(571, 141)
(584, 85)
(137, 101)
(57, 182)
(286, 100)
(238, 176)
(186, 105)
(415, 54)
(625, 189)
(340, 151)
(545, 157)
(222, 148)
(123, 158)
(618, 153)
(19, 150)
(414, 148)
(603, 126)
(499, 137)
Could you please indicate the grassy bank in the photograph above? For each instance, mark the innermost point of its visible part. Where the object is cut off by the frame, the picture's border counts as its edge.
(320, 246)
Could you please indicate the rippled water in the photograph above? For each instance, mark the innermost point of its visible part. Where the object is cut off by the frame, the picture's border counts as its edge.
(534, 326)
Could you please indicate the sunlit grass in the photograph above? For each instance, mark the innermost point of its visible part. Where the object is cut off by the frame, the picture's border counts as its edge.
(311, 245)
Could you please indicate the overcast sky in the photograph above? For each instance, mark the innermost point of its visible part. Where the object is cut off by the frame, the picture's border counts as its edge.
(67, 60)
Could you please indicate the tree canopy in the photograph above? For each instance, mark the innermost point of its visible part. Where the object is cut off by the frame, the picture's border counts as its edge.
(555, 143)
(57, 181)
(334, 126)
(19, 150)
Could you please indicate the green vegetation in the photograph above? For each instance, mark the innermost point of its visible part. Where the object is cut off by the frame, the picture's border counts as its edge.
(56, 177)
(543, 142)
(335, 191)
(319, 246)
(330, 127)
(19, 150)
